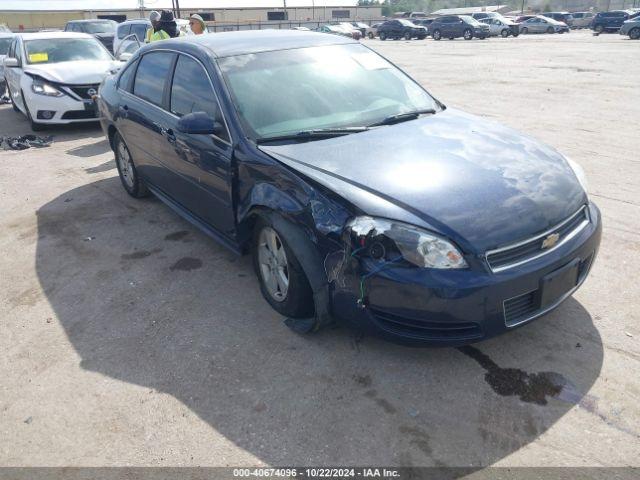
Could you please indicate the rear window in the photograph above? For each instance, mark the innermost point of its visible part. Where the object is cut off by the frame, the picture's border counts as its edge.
(152, 71)
(123, 31)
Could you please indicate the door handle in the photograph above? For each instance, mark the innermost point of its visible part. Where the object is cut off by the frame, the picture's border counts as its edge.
(171, 137)
(124, 111)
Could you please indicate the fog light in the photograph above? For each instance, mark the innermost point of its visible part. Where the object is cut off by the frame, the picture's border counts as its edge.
(46, 114)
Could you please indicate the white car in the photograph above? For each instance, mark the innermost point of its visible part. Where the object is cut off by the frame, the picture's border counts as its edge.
(52, 77)
(501, 26)
(5, 43)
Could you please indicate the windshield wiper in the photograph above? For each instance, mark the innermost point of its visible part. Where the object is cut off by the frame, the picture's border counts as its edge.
(313, 134)
(403, 117)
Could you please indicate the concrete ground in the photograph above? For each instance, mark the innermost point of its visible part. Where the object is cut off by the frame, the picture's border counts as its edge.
(130, 338)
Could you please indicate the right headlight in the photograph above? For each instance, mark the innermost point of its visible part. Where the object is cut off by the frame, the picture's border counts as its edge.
(43, 88)
(379, 237)
(579, 173)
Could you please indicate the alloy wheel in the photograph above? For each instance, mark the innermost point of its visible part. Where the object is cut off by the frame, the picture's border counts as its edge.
(274, 267)
(634, 34)
(126, 165)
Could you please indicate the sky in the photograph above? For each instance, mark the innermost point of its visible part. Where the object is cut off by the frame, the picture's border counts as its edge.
(155, 4)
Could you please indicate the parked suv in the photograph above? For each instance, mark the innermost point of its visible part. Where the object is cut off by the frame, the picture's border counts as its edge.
(455, 26)
(609, 21)
(564, 17)
(103, 30)
(401, 28)
(582, 19)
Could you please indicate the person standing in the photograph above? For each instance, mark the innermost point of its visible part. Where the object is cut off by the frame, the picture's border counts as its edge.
(154, 18)
(197, 25)
(165, 28)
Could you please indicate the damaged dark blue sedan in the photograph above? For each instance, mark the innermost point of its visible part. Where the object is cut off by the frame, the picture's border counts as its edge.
(360, 196)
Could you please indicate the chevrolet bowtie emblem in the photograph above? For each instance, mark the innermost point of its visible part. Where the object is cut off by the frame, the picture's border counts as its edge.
(550, 241)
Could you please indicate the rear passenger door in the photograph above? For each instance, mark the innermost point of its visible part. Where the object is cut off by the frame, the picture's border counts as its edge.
(143, 119)
(203, 161)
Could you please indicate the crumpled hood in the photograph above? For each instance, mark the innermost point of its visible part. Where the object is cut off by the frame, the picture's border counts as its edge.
(478, 182)
(74, 73)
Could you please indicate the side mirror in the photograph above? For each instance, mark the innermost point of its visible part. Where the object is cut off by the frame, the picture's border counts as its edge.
(200, 123)
(10, 62)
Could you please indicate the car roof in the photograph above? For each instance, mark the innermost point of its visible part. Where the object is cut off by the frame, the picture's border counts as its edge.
(47, 35)
(92, 20)
(135, 20)
(226, 44)
(7, 34)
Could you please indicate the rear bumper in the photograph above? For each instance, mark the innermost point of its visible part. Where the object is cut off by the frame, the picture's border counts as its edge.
(457, 307)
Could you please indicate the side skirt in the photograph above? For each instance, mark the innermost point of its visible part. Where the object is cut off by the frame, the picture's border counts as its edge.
(205, 227)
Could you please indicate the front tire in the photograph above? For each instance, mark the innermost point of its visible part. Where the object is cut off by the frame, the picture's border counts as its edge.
(634, 33)
(467, 34)
(13, 103)
(598, 29)
(550, 30)
(524, 30)
(407, 36)
(436, 35)
(283, 282)
(127, 169)
(383, 36)
(504, 33)
(35, 126)
(371, 35)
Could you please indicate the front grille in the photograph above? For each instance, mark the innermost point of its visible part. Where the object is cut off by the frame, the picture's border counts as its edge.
(520, 307)
(79, 115)
(506, 257)
(82, 90)
(424, 330)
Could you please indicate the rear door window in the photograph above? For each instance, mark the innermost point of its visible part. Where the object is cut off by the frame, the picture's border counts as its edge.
(152, 71)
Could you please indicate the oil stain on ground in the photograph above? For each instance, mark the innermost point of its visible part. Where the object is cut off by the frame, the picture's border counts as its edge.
(529, 387)
(140, 254)
(176, 236)
(186, 264)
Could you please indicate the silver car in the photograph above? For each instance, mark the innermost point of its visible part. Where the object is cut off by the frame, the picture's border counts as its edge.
(541, 24)
(501, 26)
(582, 19)
(631, 28)
(5, 43)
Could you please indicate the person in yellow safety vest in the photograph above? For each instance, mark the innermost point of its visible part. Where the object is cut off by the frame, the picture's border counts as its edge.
(196, 22)
(154, 18)
(165, 28)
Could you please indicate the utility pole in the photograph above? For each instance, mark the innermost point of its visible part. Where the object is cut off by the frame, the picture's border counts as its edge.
(141, 7)
(177, 8)
(286, 17)
(522, 7)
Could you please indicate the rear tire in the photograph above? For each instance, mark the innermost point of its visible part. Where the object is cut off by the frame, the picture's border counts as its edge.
(524, 30)
(283, 283)
(407, 36)
(371, 35)
(598, 29)
(436, 35)
(131, 182)
(383, 36)
(634, 33)
(504, 33)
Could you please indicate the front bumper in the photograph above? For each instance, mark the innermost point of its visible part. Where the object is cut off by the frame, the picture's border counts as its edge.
(457, 307)
(67, 109)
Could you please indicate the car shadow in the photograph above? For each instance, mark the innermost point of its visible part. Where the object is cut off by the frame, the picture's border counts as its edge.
(91, 150)
(146, 299)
